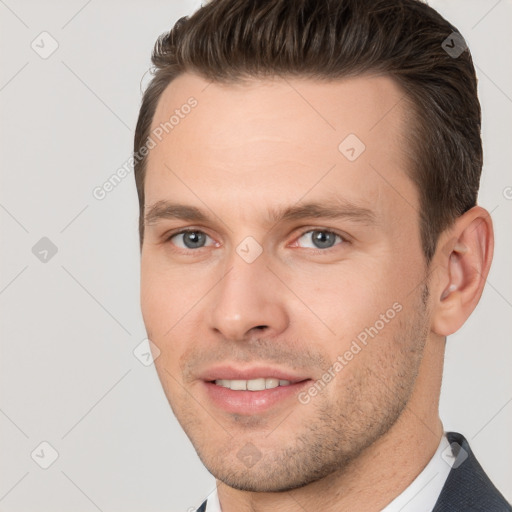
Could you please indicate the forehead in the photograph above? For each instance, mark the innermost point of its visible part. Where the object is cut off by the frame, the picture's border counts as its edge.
(366, 105)
(271, 141)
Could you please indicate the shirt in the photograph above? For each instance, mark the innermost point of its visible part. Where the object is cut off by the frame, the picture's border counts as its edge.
(420, 496)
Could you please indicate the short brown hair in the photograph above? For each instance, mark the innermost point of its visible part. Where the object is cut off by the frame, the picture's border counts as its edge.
(229, 40)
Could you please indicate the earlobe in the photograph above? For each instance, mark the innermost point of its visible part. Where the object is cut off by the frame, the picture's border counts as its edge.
(464, 264)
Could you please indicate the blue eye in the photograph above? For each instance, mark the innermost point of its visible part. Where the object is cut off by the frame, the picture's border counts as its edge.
(320, 239)
(190, 239)
(313, 239)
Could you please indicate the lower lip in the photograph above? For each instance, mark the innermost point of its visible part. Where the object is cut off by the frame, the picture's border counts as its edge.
(252, 402)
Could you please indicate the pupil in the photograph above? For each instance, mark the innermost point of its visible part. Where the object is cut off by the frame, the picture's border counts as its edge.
(194, 239)
(323, 239)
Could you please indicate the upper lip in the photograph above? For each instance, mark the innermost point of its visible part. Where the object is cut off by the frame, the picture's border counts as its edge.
(227, 372)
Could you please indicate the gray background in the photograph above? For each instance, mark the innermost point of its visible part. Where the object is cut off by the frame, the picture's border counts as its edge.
(69, 324)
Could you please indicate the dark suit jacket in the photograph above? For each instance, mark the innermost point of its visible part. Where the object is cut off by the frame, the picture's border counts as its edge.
(467, 488)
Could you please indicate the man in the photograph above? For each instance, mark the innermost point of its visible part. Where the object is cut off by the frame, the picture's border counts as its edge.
(307, 173)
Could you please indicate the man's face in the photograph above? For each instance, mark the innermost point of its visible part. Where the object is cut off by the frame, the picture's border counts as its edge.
(328, 296)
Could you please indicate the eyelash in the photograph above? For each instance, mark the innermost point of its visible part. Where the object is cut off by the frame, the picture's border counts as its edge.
(343, 237)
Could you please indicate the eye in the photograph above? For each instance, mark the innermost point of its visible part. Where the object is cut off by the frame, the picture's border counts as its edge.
(190, 239)
(318, 239)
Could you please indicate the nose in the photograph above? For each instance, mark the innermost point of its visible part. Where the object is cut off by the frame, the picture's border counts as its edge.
(248, 301)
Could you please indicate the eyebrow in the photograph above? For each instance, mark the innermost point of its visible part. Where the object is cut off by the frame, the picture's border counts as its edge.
(329, 209)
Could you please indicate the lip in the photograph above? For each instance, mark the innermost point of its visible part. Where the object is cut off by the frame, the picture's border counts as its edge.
(251, 402)
(254, 372)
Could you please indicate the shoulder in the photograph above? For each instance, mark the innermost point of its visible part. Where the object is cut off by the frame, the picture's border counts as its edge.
(467, 487)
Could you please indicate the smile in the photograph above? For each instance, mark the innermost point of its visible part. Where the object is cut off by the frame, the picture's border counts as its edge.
(252, 385)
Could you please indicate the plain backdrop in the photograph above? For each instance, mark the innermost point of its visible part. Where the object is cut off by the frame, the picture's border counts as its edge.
(70, 318)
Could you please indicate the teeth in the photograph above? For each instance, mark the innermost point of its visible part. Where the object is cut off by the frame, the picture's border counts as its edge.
(253, 384)
(238, 385)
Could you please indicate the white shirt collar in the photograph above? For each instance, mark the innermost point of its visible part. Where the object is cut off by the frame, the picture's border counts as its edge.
(213, 505)
(420, 496)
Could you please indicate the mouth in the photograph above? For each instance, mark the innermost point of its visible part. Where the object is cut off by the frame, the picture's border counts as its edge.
(252, 391)
(258, 384)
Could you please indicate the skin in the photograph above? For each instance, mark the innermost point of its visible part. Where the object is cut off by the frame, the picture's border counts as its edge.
(247, 150)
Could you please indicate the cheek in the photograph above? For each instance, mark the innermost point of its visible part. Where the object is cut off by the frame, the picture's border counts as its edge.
(152, 300)
(345, 297)
(352, 312)
(162, 307)
(165, 291)
(170, 304)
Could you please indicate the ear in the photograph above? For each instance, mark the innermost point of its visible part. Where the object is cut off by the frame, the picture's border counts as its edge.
(461, 262)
